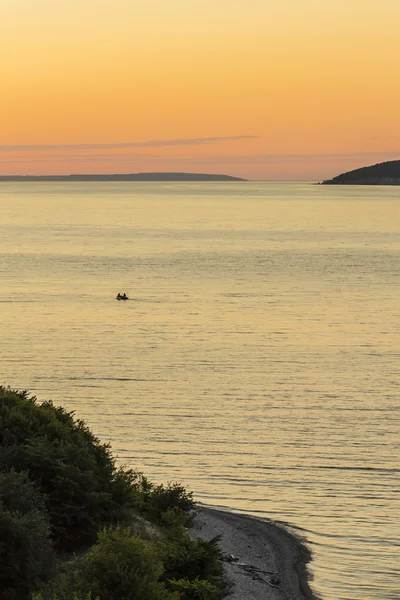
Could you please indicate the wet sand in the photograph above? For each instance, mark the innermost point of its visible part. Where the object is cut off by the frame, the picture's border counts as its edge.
(264, 560)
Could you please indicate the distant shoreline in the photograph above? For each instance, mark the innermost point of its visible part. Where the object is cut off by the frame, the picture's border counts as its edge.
(386, 173)
(123, 177)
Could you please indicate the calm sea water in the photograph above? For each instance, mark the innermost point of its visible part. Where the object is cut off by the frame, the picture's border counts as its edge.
(257, 360)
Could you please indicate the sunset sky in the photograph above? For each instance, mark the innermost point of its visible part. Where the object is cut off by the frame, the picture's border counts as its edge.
(289, 89)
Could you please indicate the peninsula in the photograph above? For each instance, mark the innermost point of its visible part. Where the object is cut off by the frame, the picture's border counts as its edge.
(386, 173)
(124, 177)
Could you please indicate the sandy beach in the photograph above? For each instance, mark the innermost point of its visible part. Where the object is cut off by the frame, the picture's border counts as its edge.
(264, 560)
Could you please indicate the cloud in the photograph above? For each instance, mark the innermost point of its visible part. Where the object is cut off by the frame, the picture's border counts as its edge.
(117, 146)
(222, 158)
(81, 158)
(390, 154)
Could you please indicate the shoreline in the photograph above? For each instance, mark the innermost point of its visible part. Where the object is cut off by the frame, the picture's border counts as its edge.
(266, 560)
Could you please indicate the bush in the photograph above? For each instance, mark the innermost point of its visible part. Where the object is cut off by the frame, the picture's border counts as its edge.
(57, 480)
(75, 597)
(195, 590)
(168, 505)
(164, 500)
(123, 566)
(192, 560)
(72, 468)
(26, 554)
(119, 567)
(19, 494)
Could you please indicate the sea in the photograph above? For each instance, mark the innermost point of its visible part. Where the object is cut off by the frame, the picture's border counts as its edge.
(256, 361)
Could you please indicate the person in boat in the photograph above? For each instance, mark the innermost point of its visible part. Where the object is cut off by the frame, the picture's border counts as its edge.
(124, 296)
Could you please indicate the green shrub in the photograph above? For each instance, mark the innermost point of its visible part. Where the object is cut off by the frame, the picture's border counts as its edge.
(122, 566)
(57, 477)
(119, 567)
(168, 505)
(72, 468)
(26, 553)
(19, 494)
(197, 589)
(194, 560)
(74, 597)
(162, 501)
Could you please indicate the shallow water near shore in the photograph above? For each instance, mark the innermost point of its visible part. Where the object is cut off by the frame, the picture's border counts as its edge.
(257, 360)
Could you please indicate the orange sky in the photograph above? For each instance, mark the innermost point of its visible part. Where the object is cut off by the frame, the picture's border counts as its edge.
(259, 89)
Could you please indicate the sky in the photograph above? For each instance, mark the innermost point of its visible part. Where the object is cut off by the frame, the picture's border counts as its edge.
(288, 90)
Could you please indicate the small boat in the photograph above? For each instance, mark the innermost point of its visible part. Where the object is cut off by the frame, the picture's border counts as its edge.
(121, 297)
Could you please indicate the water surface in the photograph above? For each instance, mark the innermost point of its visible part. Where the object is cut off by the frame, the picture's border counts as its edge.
(257, 360)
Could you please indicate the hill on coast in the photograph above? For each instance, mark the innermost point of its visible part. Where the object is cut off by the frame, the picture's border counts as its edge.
(73, 524)
(124, 177)
(386, 173)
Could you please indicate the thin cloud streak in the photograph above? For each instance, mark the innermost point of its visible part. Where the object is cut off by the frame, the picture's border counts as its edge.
(304, 157)
(238, 159)
(81, 158)
(116, 146)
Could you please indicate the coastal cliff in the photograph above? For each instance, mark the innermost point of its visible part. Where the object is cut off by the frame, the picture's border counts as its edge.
(386, 173)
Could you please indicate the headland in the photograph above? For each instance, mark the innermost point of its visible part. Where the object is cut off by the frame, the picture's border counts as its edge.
(386, 173)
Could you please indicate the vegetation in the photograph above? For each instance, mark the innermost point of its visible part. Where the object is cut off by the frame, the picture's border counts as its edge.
(26, 552)
(74, 526)
(386, 173)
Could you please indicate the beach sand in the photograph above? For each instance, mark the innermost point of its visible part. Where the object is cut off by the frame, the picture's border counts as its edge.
(267, 562)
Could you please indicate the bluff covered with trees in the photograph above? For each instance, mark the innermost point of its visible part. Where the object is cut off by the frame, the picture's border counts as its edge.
(75, 526)
(386, 173)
